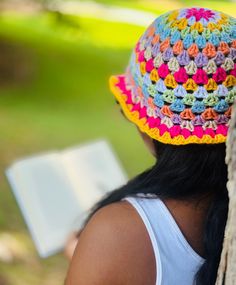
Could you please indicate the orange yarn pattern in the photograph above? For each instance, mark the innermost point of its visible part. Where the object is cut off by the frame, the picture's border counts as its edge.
(154, 133)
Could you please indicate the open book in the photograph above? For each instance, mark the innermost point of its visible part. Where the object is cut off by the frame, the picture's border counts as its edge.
(56, 190)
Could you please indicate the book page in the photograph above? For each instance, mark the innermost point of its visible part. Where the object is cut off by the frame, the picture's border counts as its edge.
(56, 191)
(94, 170)
(48, 204)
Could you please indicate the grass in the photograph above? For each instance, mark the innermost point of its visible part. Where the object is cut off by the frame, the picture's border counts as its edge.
(64, 101)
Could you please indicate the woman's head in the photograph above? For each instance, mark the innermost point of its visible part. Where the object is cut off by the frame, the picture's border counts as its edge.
(179, 85)
(178, 89)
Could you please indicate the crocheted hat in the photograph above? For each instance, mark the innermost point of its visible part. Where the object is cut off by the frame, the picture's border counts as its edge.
(180, 83)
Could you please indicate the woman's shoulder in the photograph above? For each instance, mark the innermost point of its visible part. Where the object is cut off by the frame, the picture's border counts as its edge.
(114, 248)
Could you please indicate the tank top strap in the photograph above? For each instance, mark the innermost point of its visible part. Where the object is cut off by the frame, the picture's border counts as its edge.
(135, 202)
(176, 261)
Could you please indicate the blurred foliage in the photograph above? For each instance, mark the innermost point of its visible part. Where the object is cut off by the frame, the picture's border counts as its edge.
(64, 102)
(14, 63)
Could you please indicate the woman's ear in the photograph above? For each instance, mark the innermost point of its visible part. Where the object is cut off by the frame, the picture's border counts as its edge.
(148, 142)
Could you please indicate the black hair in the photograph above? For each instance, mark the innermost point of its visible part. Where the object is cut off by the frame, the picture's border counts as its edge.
(189, 173)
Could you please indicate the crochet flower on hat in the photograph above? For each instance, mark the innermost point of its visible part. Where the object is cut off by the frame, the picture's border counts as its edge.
(180, 83)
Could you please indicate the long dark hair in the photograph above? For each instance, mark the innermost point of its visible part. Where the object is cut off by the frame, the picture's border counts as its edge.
(187, 172)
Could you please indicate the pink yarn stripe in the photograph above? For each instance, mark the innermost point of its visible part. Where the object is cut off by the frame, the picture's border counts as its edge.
(156, 122)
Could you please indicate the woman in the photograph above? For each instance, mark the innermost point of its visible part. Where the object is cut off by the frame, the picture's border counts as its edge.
(166, 226)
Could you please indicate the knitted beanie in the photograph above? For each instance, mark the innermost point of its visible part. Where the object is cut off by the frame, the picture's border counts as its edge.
(180, 83)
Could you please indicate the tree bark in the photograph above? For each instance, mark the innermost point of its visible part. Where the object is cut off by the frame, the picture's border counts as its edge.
(227, 268)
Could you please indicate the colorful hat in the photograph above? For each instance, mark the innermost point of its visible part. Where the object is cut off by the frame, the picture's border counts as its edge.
(180, 83)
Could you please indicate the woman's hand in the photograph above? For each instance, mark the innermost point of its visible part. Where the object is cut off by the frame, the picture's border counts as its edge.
(71, 244)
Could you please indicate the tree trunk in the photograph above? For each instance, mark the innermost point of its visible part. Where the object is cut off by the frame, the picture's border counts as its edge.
(227, 267)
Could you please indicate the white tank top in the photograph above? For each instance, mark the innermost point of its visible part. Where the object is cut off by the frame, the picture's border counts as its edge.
(176, 261)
